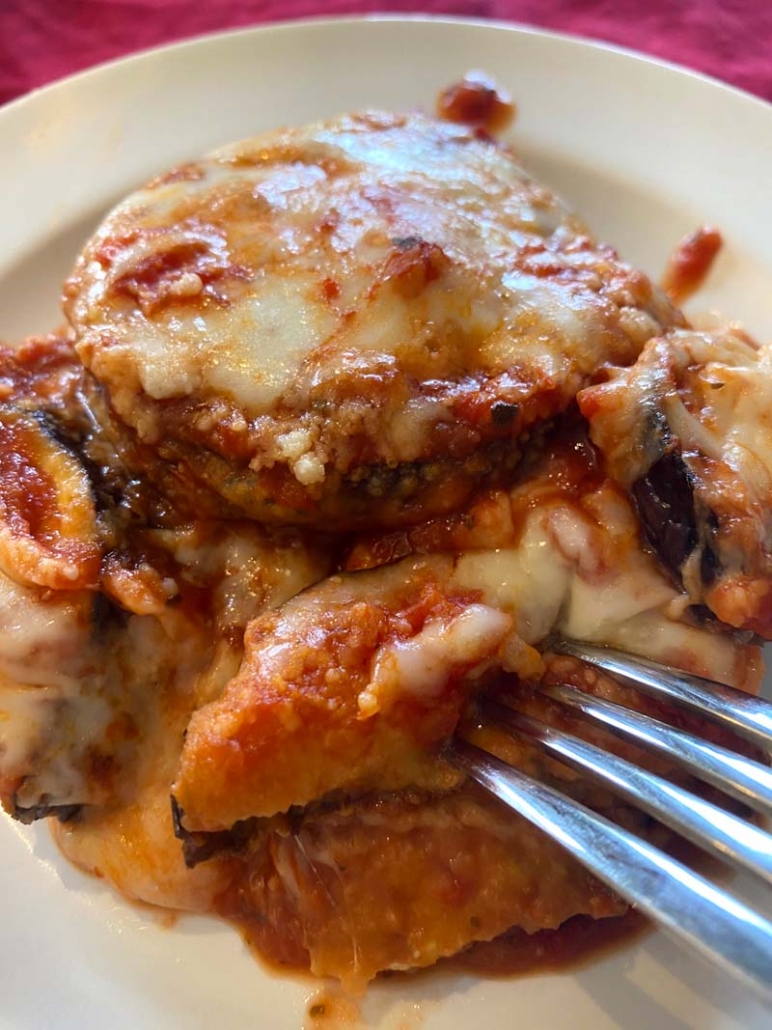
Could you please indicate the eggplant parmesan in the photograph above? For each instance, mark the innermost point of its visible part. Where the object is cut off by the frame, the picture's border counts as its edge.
(346, 422)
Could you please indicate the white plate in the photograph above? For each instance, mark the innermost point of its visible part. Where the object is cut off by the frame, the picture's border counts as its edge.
(646, 152)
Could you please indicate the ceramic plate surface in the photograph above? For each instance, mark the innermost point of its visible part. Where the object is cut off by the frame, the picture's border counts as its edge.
(646, 152)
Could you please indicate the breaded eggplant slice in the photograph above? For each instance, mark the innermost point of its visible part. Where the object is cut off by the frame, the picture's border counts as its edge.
(74, 678)
(350, 685)
(89, 693)
(688, 431)
(81, 680)
(396, 881)
(356, 684)
(400, 882)
(353, 323)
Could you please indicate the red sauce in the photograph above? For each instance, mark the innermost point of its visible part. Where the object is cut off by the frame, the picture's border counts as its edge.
(413, 265)
(690, 263)
(476, 101)
(153, 279)
(42, 367)
(28, 495)
(579, 940)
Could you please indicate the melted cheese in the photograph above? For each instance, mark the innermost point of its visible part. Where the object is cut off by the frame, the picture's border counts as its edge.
(73, 700)
(737, 407)
(62, 700)
(223, 283)
(550, 581)
(422, 665)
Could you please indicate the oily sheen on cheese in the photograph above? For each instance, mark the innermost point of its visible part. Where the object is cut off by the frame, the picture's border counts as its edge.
(350, 323)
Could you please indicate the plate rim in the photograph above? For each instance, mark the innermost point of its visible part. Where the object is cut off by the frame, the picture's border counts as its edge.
(156, 53)
(40, 93)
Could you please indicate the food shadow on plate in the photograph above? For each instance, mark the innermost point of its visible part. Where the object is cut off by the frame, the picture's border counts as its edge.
(707, 999)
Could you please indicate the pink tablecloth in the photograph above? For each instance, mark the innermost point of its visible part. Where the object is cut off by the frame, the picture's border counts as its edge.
(43, 40)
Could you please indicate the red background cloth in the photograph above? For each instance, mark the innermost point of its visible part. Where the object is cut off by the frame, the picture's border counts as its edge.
(43, 40)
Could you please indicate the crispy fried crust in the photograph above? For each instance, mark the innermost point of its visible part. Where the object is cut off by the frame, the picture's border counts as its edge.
(400, 882)
(320, 703)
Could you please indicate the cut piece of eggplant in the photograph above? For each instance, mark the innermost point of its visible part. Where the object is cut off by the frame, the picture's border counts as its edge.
(687, 431)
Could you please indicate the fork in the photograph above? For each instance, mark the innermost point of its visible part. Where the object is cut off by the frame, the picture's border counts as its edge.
(711, 920)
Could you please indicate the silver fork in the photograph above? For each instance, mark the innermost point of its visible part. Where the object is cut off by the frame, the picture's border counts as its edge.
(714, 922)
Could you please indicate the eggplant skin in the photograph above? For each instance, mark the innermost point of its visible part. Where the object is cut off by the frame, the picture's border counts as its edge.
(200, 847)
(674, 522)
(64, 813)
(664, 498)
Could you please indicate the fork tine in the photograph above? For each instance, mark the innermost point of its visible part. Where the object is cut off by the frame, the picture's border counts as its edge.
(748, 716)
(714, 923)
(741, 777)
(705, 824)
